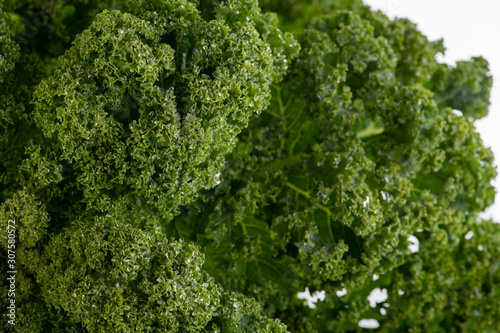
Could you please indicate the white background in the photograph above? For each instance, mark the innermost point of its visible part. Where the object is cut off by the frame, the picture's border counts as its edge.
(468, 28)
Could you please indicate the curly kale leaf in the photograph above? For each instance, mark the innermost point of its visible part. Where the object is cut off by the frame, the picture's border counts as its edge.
(352, 156)
(110, 276)
(449, 284)
(465, 87)
(24, 220)
(145, 105)
(324, 176)
(102, 274)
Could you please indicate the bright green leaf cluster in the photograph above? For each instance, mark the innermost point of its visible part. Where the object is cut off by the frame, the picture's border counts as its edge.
(451, 286)
(128, 124)
(29, 219)
(352, 157)
(191, 165)
(111, 276)
(144, 106)
(465, 87)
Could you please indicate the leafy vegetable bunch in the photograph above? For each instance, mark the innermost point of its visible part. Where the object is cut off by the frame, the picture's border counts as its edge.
(190, 166)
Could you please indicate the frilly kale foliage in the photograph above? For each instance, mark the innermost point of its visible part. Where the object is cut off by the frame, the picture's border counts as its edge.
(126, 125)
(143, 108)
(113, 277)
(353, 156)
(190, 166)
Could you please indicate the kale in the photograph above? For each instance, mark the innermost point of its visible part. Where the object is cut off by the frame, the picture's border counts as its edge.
(191, 165)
